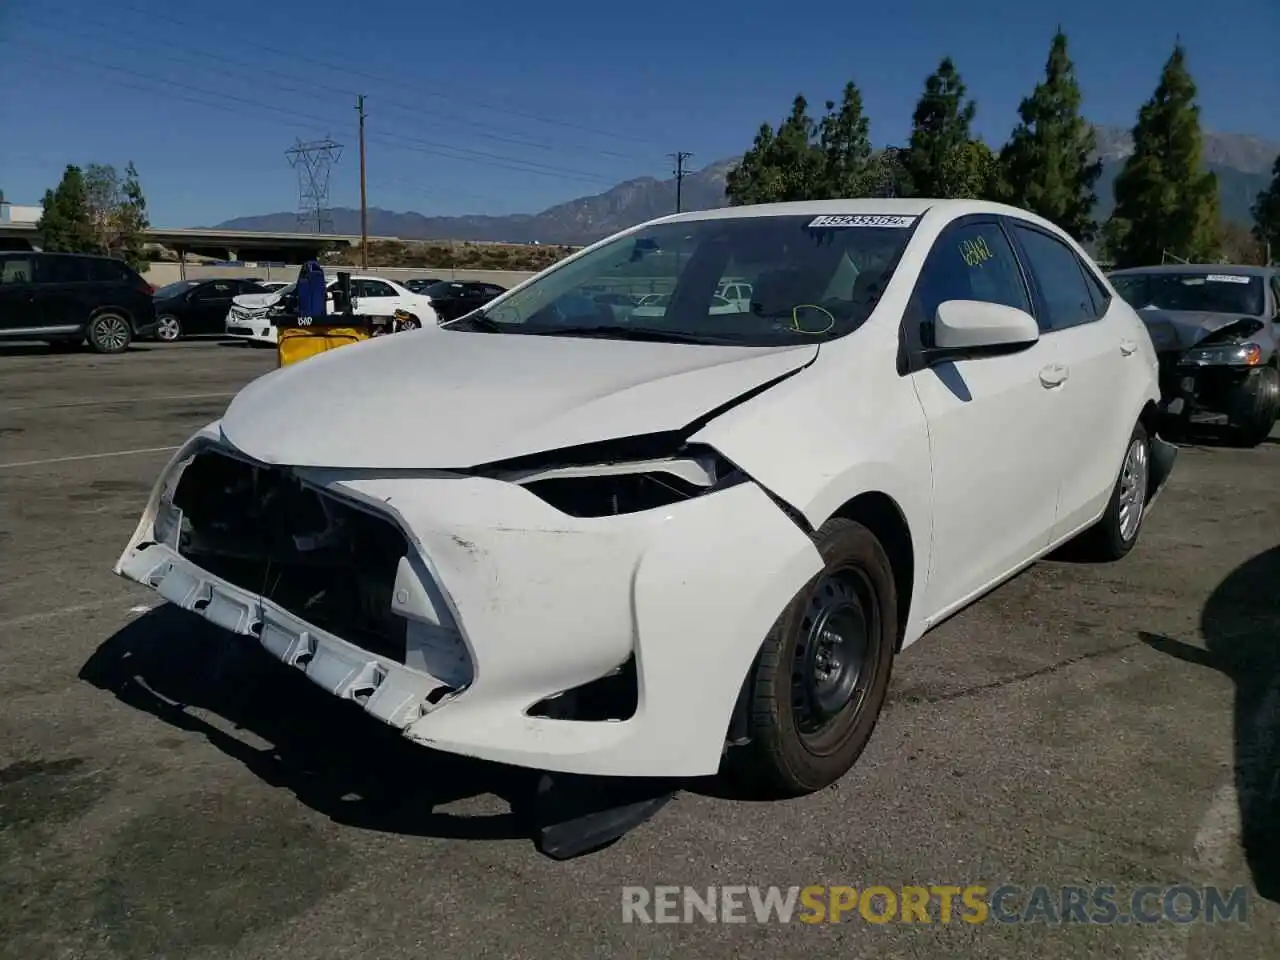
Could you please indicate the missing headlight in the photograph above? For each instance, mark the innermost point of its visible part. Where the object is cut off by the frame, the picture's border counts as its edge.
(612, 489)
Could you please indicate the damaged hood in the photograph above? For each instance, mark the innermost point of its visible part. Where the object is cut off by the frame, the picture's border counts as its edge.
(423, 400)
(1178, 330)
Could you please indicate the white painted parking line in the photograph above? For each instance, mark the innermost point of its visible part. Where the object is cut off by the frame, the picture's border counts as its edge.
(85, 456)
(31, 618)
(116, 403)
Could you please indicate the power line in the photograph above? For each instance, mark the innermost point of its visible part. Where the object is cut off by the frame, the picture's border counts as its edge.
(313, 160)
(678, 158)
(399, 141)
(309, 85)
(342, 57)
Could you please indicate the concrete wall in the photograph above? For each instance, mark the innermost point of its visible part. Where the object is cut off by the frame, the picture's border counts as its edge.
(160, 274)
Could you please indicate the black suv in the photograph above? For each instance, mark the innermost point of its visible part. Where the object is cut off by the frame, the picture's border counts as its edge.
(71, 298)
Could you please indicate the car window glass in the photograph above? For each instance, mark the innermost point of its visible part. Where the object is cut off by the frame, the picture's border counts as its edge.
(376, 288)
(1132, 290)
(103, 269)
(972, 262)
(63, 270)
(1058, 274)
(1275, 294)
(17, 270)
(1096, 290)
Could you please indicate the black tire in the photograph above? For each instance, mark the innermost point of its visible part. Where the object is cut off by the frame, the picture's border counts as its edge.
(168, 328)
(110, 333)
(794, 749)
(410, 323)
(1254, 406)
(1107, 540)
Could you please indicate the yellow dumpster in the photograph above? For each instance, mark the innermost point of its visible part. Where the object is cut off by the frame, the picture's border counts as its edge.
(298, 343)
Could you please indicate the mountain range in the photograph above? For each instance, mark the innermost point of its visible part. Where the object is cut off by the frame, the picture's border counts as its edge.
(1241, 162)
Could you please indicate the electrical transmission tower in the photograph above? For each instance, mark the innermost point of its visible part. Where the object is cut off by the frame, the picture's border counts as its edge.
(313, 161)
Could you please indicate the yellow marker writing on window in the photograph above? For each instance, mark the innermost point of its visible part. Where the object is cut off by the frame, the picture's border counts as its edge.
(975, 252)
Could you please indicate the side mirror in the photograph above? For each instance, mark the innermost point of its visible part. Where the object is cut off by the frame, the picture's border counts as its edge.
(968, 328)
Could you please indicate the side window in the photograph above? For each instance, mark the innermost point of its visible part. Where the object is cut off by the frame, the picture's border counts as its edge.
(1060, 279)
(106, 270)
(971, 262)
(62, 270)
(17, 270)
(1101, 299)
(1275, 294)
(376, 288)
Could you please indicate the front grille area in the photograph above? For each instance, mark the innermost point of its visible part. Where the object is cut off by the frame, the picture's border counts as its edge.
(328, 563)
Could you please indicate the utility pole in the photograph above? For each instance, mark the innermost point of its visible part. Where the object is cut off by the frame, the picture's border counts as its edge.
(364, 204)
(678, 159)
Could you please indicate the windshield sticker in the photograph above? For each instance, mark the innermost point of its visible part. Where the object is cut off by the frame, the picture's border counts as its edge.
(976, 252)
(861, 220)
(1226, 278)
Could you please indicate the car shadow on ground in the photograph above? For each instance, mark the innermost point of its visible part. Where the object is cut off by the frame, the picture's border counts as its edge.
(327, 752)
(1241, 626)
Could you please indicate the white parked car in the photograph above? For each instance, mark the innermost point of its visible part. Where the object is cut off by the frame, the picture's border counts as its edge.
(575, 542)
(248, 318)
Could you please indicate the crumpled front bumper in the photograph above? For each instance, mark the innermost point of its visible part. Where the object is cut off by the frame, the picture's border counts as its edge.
(510, 602)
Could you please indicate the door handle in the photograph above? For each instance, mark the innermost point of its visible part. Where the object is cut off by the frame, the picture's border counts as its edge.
(1128, 347)
(1053, 375)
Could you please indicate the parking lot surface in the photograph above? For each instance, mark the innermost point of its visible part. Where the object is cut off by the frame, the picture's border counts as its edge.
(1083, 725)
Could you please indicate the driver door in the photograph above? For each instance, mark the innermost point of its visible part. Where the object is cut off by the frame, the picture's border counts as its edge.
(994, 425)
(208, 306)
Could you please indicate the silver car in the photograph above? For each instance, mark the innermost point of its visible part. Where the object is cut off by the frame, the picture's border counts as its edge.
(1214, 329)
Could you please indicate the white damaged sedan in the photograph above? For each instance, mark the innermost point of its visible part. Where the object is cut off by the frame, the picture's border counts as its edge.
(562, 536)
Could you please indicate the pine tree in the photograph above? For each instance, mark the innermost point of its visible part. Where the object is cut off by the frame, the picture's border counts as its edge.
(65, 225)
(1165, 201)
(1048, 165)
(786, 165)
(133, 220)
(845, 142)
(942, 160)
(1266, 212)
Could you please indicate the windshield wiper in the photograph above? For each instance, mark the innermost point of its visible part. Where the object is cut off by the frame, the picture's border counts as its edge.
(608, 331)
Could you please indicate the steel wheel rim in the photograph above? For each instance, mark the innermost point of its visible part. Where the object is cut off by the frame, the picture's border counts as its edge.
(168, 328)
(1133, 489)
(113, 333)
(835, 656)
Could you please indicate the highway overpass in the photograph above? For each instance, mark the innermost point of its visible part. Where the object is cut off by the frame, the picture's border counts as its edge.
(216, 244)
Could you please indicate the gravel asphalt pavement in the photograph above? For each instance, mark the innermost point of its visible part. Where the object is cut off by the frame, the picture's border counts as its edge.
(1083, 725)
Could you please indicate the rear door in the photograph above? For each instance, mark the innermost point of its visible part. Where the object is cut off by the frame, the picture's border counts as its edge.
(66, 292)
(17, 292)
(1074, 312)
(375, 298)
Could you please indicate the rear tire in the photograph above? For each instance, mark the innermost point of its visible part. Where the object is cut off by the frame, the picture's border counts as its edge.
(168, 329)
(1116, 533)
(823, 671)
(109, 333)
(1254, 406)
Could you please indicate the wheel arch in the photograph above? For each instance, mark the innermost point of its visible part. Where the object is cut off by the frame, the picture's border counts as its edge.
(124, 312)
(884, 517)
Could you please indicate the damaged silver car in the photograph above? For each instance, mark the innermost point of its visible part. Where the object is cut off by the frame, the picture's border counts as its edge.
(1213, 327)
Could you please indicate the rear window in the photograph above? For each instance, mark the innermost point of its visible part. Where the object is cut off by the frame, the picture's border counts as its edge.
(112, 271)
(63, 269)
(444, 289)
(1199, 292)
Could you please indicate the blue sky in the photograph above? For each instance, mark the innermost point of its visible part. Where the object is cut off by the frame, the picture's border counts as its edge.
(502, 107)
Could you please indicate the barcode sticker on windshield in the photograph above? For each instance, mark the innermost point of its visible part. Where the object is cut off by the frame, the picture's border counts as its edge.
(1226, 278)
(861, 220)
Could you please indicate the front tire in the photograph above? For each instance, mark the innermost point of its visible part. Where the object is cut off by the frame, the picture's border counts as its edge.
(1116, 533)
(109, 333)
(824, 668)
(1255, 404)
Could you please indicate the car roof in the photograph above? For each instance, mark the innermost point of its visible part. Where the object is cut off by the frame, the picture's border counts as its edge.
(1230, 269)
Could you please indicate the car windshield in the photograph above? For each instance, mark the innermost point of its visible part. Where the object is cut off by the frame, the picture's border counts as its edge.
(173, 289)
(1192, 291)
(808, 277)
